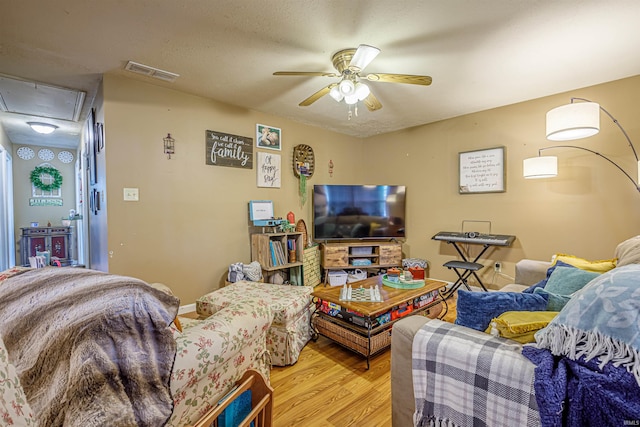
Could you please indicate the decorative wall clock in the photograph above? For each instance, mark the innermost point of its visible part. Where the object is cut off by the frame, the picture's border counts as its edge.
(303, 161)
(26, 153)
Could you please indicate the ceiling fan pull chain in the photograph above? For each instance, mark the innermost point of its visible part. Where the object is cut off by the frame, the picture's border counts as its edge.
(350, 113)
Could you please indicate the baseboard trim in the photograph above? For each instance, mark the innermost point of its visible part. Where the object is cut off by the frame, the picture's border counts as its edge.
(189, 308)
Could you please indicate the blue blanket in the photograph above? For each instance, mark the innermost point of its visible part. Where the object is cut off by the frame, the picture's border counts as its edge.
(578, 393)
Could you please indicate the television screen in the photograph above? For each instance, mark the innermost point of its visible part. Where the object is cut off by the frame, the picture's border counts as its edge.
(358, 212)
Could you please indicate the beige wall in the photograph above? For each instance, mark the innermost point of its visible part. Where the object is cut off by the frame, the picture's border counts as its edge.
(586, 211)
(24, 214)
(192, 219)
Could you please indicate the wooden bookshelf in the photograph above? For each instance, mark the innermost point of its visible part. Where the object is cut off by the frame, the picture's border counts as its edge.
(272, 251)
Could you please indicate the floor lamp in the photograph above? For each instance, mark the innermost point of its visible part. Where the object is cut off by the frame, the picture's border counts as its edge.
(574, 121)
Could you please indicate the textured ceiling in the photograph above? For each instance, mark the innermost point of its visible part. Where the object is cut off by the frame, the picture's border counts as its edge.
(480, 54)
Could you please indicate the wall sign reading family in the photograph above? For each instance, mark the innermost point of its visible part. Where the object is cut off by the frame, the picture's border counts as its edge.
(268, 170)
(482, 171)
(223, 149)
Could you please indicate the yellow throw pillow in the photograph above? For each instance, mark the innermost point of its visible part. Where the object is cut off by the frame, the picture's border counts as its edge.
(520, 326)
(599, 266)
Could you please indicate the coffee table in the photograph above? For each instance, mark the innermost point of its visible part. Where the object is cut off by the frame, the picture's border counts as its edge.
(365, 327)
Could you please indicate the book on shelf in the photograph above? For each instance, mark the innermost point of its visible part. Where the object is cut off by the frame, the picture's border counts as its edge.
(273, 254)
(280, 251)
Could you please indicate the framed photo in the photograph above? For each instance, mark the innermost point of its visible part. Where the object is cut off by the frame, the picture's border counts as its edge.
(92, 148)
(268, 137)
(482, 171)
(268, 170)
(99, 137)
(94, 201)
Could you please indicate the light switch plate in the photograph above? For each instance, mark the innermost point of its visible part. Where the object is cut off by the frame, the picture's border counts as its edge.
(131, 194)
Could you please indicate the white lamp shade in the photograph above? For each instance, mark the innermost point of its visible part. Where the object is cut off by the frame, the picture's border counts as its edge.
(573, 121)
(362, 91)
(540, 167)
(336, 94)
(351, 99)
(346, 87)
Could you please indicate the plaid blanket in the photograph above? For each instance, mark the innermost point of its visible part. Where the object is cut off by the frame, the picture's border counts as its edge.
(463, 377)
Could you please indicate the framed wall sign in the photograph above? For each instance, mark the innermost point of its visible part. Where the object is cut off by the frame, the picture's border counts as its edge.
(482, 171)
(268, 170)
(223, 149)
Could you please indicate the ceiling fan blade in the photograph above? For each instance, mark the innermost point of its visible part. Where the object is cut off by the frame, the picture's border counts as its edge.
(319, 94)
(399, 78)
(305, 73)
(363, 57)
(372, 102)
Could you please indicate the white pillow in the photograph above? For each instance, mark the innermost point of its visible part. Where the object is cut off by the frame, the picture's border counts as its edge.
(628, 252)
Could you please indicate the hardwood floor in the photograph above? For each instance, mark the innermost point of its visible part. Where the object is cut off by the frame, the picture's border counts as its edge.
(331, 386)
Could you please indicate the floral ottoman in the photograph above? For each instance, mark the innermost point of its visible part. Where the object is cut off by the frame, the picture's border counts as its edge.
(291, 306)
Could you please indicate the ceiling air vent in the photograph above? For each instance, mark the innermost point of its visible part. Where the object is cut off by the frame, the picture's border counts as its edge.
(146, 70)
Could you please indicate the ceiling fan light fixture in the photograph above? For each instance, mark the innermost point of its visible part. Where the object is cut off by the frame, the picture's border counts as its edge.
(336, 94)
(362, 91)
(346, 87)
(43, 128)
(363, 57)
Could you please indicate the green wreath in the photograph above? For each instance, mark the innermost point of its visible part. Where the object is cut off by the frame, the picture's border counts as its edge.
(36, 178)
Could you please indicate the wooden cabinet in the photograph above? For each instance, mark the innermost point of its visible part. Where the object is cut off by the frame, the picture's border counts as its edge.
(361, 255)
(277, 252)
(56, 240)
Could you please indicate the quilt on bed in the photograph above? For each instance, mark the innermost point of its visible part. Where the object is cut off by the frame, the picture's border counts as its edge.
(90, 348)
(463, 377)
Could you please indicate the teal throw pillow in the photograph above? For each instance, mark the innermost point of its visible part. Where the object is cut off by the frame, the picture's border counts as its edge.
(543, 282)
(566, 281)
(555, 302)
(476, 309)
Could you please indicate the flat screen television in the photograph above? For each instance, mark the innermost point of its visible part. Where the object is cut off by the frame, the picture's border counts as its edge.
(355, 212)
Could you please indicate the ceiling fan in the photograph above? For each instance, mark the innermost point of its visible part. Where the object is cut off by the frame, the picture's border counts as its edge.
(350, 63)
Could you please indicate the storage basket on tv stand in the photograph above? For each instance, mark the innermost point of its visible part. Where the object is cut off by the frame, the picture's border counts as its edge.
(356, 275)
(337, 277)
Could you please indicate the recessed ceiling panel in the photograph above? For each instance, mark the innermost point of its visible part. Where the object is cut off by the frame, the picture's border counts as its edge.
(38, 99)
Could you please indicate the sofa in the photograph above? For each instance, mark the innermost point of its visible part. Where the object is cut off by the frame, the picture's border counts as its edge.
(525, 374)
(82, 347)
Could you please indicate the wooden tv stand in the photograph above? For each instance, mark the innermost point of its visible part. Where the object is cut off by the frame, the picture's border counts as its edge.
(342, 255)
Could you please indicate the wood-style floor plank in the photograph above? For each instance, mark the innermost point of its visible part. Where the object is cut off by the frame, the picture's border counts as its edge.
(331, 386)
